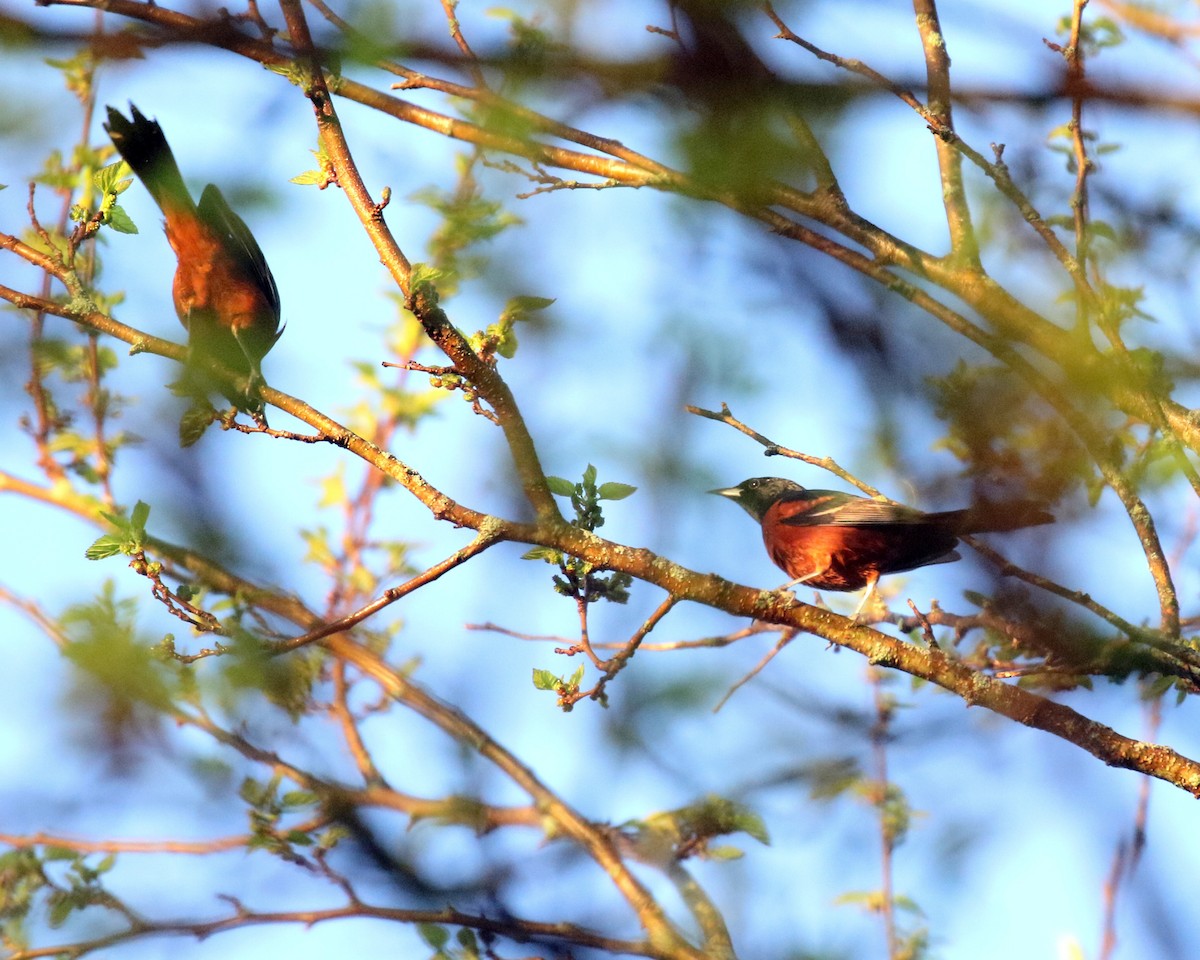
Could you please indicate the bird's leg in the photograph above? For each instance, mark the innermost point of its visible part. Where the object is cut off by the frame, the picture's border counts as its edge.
(255, 380)
(804, 579)
(867, 594)
(190, 384)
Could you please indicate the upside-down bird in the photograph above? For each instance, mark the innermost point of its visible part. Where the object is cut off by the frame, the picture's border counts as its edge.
(224, 293)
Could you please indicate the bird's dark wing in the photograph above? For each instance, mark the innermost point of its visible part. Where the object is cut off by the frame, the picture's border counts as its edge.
(816, 508)
(241, 243)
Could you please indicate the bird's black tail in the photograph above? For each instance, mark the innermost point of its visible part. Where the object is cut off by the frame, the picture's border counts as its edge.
(145, 149)
(995, 517)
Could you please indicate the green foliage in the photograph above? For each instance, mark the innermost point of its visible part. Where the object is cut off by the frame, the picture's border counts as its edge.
(103, 643)
(1000, 431)
(77, 71)
(1095, 33)
(829, 779)
(319, 177)
(21, 879)
(129, 538)
(564, 687)
(579, 579)
(197, 418)
(287, 681)
(529, 46)
(465, 947)
(82, 366)
(688, 831)
(425, 278)
(467, 219)
(500, 337)
(267, 806)
(80, 889)
(111, 181)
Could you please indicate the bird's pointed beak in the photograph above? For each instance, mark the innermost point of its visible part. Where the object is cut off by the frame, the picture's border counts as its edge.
(732, 492)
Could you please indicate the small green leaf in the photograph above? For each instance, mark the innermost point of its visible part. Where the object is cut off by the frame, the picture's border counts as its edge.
(119, 220)
(141, 513)
(195, 420)
(614, 491)
(424, 273)
(518, 308)
(751, 823)
(560, 487)
(114, 178)
(975, 597)
(104, 547)
(549, 554)
(507, 344)
(437, 937)
(60, 910)
(310, 178)
(544, 680)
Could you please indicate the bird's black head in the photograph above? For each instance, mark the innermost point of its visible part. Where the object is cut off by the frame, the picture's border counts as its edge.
(756, 495)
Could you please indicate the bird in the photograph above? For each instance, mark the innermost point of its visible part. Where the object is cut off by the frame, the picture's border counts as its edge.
(831, 540)
(224, 293)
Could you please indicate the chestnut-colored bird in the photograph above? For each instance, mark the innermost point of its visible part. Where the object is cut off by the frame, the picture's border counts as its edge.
(224, 293)
(831, 540)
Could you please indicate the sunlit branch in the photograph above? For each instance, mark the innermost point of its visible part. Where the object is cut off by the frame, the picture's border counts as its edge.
(189, 847)
(963, 243)
(1015, 703)
(512, 927)
(482, 541)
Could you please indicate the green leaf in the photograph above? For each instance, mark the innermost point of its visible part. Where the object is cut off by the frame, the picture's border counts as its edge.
(560, 487)
(195, 420)
(119, 220)
(118, 521)
(437, 937)
(104, 547)
(545, 680)
(752, 824)
(519, 308)
(466, 939)
(549, 554)
(506, 345)
(310, 178)
(614, 491)
(141, 513)
(975, 597)
(60, 909)
(589, 476)
(423, 273)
